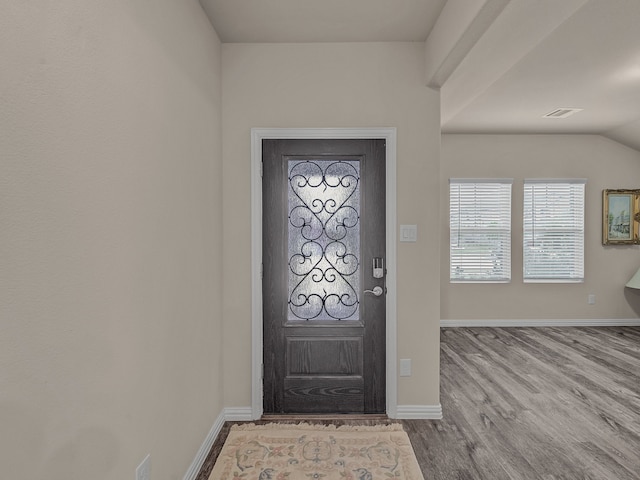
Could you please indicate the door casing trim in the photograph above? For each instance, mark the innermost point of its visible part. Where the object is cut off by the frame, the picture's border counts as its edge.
(257, 135)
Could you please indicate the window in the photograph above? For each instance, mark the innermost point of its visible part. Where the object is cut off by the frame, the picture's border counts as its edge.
(553, 240)
(480, 230)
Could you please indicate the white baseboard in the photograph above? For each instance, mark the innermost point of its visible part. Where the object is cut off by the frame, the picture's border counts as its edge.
(227, 415)
(419, 412)
(563, 322)
(201, 456)
(238, 414)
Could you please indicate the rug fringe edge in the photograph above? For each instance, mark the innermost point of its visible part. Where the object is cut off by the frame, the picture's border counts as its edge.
(391, 427)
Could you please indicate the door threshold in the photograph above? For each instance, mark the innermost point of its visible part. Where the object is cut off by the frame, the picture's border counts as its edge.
(329, 416)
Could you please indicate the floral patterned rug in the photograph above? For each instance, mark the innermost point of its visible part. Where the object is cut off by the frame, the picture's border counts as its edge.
(316, 452)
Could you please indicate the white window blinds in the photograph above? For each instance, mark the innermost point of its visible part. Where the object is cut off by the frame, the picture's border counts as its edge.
(553, 231)
(480, 230)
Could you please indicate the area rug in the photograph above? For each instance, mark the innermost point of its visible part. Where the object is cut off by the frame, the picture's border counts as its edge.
(316, 452)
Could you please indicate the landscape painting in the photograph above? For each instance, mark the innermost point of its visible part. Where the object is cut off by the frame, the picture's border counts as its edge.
(620, 216)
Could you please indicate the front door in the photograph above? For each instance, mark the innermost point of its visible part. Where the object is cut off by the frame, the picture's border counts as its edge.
(323, 257)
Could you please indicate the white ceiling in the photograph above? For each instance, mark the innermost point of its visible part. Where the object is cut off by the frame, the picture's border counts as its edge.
(294, 21)
(500, 64)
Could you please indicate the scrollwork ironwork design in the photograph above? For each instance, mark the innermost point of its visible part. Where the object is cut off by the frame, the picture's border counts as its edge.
(324, 237)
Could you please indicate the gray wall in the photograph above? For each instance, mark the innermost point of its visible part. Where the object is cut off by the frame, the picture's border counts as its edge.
(110, 296)
(336, 85)
(605, 164)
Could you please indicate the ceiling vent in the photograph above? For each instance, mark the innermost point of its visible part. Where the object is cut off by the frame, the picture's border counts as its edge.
(562, 112)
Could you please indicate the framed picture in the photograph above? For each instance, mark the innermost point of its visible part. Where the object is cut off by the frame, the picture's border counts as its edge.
(620, 217)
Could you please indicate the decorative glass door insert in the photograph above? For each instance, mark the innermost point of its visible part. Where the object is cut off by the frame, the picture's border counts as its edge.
(323, 239)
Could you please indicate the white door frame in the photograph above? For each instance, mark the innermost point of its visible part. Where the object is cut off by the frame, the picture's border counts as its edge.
(257, 135)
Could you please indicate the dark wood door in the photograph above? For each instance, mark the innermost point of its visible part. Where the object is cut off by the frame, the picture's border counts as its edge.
(323, 228)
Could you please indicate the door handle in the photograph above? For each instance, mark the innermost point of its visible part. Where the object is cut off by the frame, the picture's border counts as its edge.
(377, 291)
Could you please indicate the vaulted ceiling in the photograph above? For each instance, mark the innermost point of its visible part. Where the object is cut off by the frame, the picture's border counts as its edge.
(501, 65)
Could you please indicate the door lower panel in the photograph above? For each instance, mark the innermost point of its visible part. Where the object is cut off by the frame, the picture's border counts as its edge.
(324, 395)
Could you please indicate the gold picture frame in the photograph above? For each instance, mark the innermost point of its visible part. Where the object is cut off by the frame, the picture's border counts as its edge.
(620, 217)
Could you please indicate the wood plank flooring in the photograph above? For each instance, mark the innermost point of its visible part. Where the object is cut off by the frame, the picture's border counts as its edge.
(528, 403)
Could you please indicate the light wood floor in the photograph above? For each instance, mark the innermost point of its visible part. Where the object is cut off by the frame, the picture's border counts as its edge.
(529, 403)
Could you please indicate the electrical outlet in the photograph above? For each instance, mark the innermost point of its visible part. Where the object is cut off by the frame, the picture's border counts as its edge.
(405, 367)
(591, 299)
(143, 472)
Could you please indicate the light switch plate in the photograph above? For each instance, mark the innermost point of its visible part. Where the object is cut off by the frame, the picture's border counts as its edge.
(408, 233)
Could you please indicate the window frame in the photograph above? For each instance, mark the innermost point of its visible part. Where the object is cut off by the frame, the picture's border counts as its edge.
(576, 273)
(506, 227)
